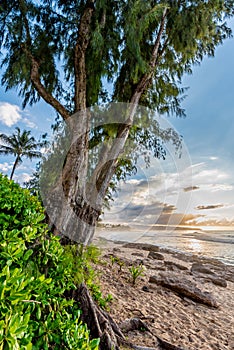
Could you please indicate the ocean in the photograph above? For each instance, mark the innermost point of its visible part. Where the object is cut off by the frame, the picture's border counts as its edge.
(207, 242)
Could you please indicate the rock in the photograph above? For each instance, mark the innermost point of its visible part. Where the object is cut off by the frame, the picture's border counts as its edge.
(132, 325)
(156, 266)
(230, 277)
(216, 280)
(185, 288)
(138, 254)
(174, 266)
(155, 255)
(145, 289)
(142, 246)
(117, 250)
(219, 271)
(200, 268)
(139, 262)
(189, 301)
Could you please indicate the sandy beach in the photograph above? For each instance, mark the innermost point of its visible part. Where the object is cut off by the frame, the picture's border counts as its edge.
(173, 315)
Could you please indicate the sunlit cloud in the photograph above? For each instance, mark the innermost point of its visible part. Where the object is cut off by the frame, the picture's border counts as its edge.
(9, 114)
(176, 198)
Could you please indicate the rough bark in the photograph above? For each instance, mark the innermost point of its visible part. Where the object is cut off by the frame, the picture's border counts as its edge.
(40, 88)
(79, 56)
(76, 221)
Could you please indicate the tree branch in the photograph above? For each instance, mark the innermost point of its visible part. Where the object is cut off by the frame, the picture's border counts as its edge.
(79, 56)
(146, 78)
(35, 78)
(106, 169)
(34, 74)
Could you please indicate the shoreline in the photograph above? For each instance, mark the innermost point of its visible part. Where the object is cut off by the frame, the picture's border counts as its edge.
(122, 235)
(175, 318)
(181, 254)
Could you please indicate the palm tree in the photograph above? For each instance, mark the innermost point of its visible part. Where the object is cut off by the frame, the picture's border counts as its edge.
(20, 144)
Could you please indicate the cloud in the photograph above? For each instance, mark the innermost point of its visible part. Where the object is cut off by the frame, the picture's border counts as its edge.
(191, 188)
(205, 176)
(171, 197)
(21, 178)
(221, 187)
(29, 123)
(5, 167)
(9, 114)
(208, 207)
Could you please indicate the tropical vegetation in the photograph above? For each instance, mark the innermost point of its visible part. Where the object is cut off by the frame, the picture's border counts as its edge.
(37, 274)
(21, 144)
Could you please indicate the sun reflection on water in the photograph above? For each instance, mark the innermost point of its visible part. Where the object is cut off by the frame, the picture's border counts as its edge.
(195, 245)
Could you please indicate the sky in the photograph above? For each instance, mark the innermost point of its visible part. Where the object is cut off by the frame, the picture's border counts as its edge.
(196, 189)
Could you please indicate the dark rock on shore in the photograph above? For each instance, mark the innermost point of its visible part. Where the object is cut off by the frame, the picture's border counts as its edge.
(174, 266)
(155, 255)
(198, 267)
(185, 288)
(143, 246)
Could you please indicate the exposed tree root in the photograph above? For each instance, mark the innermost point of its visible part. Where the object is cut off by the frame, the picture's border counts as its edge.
(102, 325)
(137, 324)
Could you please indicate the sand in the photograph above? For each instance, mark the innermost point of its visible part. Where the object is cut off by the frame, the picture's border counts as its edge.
(174, 318)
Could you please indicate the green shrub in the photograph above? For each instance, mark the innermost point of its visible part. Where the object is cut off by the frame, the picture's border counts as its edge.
(18, 208)
(82, 259)
(36, 271)
(136, 271)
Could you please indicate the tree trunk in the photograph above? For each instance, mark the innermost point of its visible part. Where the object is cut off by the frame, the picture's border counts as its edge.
(14, 167)
(73, 215)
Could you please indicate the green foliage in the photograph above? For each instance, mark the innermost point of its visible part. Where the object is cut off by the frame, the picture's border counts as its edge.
(113, 259)
(19, 210)
(36, 273)
(136, 271)
(122, 38)
(118, 261)
(81, 260)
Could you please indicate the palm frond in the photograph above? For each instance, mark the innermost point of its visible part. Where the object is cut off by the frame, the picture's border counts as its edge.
(32, 154)
(6, 148)
(5, 139)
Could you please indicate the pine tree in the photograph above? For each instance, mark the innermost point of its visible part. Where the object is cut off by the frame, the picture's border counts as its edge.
(64, 51)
